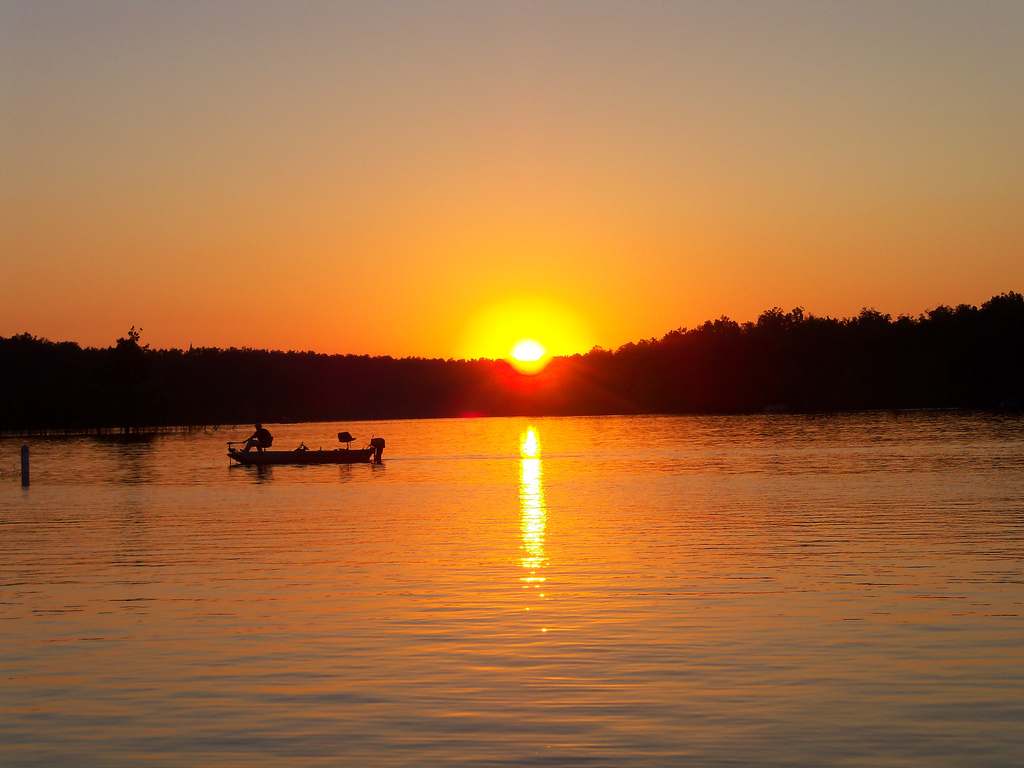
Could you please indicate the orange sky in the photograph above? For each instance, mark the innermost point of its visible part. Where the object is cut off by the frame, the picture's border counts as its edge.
(426, 178)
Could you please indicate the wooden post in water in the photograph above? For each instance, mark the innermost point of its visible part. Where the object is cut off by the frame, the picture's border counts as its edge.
(24, 466)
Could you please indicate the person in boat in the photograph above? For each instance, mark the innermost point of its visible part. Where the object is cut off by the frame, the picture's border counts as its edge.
(260, 439)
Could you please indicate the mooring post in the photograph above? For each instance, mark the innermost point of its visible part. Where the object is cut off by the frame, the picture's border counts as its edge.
(24, 466)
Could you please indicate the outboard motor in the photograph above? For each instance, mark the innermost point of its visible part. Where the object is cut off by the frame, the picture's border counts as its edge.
(377, 444)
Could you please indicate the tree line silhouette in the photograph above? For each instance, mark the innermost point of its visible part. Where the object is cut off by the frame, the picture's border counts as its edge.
(948, 357)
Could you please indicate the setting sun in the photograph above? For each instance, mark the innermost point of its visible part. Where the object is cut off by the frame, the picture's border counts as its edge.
(526, 330)
(528, 356)
(528, 351)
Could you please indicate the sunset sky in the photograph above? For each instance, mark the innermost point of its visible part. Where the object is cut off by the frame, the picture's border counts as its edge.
(442, 178)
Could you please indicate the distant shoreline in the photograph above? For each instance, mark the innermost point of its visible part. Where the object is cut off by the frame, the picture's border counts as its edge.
(964, 357)
(115, 433)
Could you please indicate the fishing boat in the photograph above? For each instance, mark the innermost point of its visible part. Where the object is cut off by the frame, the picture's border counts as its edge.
(303, 455)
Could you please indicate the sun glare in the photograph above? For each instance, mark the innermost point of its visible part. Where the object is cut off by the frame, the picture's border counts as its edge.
(528, 356)
(526, 331)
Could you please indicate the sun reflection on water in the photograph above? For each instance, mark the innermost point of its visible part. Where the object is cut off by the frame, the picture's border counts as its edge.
(533, 511)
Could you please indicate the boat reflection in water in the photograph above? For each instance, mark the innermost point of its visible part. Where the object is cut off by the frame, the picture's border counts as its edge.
(533, 511)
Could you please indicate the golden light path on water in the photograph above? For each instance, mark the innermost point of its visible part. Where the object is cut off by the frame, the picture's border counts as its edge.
(533, 511)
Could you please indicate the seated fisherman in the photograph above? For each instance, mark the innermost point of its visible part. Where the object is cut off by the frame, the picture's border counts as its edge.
(261, 439)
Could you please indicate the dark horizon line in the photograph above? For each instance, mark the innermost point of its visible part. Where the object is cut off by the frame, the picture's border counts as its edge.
(923, 315)
(113, 431)
(964, 357)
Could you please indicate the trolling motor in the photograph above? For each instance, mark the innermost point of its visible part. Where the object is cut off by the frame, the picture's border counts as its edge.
(377, 444)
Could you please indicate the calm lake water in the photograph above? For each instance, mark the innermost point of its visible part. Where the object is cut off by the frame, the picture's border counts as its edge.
(725, 591)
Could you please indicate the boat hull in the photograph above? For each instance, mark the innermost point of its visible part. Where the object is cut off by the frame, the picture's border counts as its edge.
(337, 456)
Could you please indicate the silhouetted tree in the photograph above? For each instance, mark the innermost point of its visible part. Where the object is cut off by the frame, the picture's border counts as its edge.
(129, 369)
